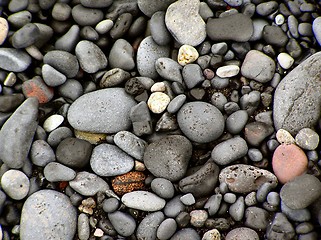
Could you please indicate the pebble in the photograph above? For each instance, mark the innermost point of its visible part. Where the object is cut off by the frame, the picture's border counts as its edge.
(174, 207)
(9, 103)
(22, 124)
(163, 188)
(285, 60)
(74, 152)
(41, 153)
(240, 28)
(158, 102)
(258, 66)
(255, 155)
(192, 75)
(109, 160)
(56, 172)
(166, 229)
(43, 214)
(275, 36)
(53, 122)
(237, 209)
(187, 54)
(188, 199)
(186, 234)
(104, 26)
(158, 29)
(122, 55)
(148, 227)
(297, 215)
(178, 24)
(200, 115)
(147, 54)
(57, 135)
(176, 103)
(256, 132)
(102, 113)
(242, 178)
(110, 205)
(128, 182)
(141, 119)
(169, 69)
(316, 26)
(14, 60)
(227, 71)
(69, 40)
(61, 11)
(86, 16)
(280, 228)
(198, 218)
(212, 234)
(229, 151)
(161, 157)
(158, 87)
(71, 90)
(258, 25)
(52, 77)
(15, 184)
(123, 223)
(300, 85)
(307, 139)
(96, 4)
(113, 77)
(83, 226)
(283, 136)
(88, 184)
(25, 36)
(273, 198)
(301, 191)
(37, 88)
(4, 29)
(241, 233)
(288, 162)
(256, 218)
(143, 200)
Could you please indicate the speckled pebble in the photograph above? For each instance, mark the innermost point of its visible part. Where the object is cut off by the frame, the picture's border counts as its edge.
(15, 184)
(41, 153)
(228, 71)
(123, 223)
(187, 54)
(163, 188)
(283, 136)
(56, 172)
(198, 218)
(158, 102)
(188, 199)
(212, 234)
(242, 233)
(307, 139)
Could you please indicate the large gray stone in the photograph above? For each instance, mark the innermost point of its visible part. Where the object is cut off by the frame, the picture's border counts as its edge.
(14, 60)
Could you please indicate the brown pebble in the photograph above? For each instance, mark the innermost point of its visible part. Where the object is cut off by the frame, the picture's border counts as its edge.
(128, 182)
(4, 28)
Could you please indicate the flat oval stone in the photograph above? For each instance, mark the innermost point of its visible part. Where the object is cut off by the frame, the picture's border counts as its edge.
(149, 8)
(241, 178)
(168, 157)
(147, 229)
(242, 233)
(14, 60)
(297, 98)
(48, 214)
(86, 16)
(55, 172)
(15, 184)
(143, 200)
(123, 223)
(25, 36)
(200, 122)
(101, 111)
(96, 3)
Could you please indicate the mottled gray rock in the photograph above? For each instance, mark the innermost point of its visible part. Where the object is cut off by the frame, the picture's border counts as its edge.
(57, 135)
(307, 139)
(48, 214)
(213, 204)
(86, 16)
(192, 75)
(51, 76)
(168, 157)
(122, 55)
(143, 200)
(123, 223)
(297, 215)
(108, 160)
(186, 234)
(169, 69)
(41, 153)
(240, 28)
(147, 229)
(21, 126)
(179, 18)
(149, 8)
(256, 132)
(236, 121)
(96, 3)
(256, 218)
(14, 60)
(280, 229)
(15, 184)
(158, 29)
(111, 205)
(166, 229)
(163, 188)
(174, 207)
(83, 226)
(102, 111)
(206, 120)
(56, 172)
(275, 36)
(297, 98)
(25, 36)
(69, 40)
(316, 27)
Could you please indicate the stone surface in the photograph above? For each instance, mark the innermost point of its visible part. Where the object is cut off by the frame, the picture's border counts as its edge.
(4, 28)
(143, 200)
(48, 214)
(242, 233)
(280, 228)
(14, 60)
(147, 229)
(101, 111)
(149, 8)
(297, 99)
(122, 55)
(123, 223)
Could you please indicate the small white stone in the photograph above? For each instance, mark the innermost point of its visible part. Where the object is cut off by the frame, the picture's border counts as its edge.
(158, 102)
(158, 87)
(98, 232)
(284, 136)
(104, 26)
(187, 54)
(10, 80)
(227, 71)
(213, 234)
(198, 218)
(52, 122)
(139, 166)
(188, 199)
(279, 19)
(15, 184)
(285, 60)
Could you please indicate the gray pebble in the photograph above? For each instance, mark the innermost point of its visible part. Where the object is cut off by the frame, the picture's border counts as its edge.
(17, 5)
(266, 8)
(307, 139)
(280, 228)
(237, 209)
(309, 236)
(43, 214)
(14, 60)
(57, 135)
(166, 229)
(187, 199)
(83, 226)
(176, 103)
(231, 107)
(121, 26)
(242, 233)
(89, 33)
(219, 100)
(219, 48)
(56, 172)
(149, 8)
(143, 200)
(205, 11)
(213, 204)
(250, 199)
(9, 103)
(19, 19)
(110, 205)
(305, 29)
(316, 26)
(304, 228)
(86, 16)
(263, 191)
(122, 55)
(158, 29)
(255, 154)
(69, 40)
(25, 36)
(71, 90)
(169, 69)
(173, 207)
(46, 33)
(236, 121)
(293, 26)
(275, 36)
(265, 117)
(219, 83)
(113, 77)
(229, 198)
(51, 76)
(192, 75)
(163, 188)
(41, 153)
(229, 151)
(297, 215)
(141, 119)
(186, 234)
(61, 11)
(15, 184)
(250, 102)
(273, 198)
(256, 132)
(256, 218)
(147, 228)
(96, 3)
(123, 223)
(258, 25)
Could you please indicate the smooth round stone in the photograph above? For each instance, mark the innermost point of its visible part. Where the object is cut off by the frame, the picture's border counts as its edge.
(147, 229)
(258, 66)
(188, 199)
(113, 77)
(285, 60)
(241, 178)
(186, 234)
(122, 55)
(61, 11)
(179, 24)
(96, 3)
(202, 117)
(174, 207)
(56, 172)
(163, 188)
(256, 132)
(43, 215)
(283, 136)
(57, 135)
(192, 75)
(236, 210)
(86, 16)
(307, 139)
(227, 71)
(110, 205)
(316, 27)
(51, 76)
(166, 229)
(275, 36)
(19, 19)
(242, 233)
(53, 122)
(229, 151)
(273, 198)
(256, 218)
(143, 200)
(25, 36)
(62, 61)
(68, 41)
(83, 226)
(15, 184)
(104, 26)
(288, 162)
(4, 28)
(258, 25)
(229, 198)
(41, 153)
(236, 122)
(123, 223)
(109, 160)
(88, 184)
(14, 60)
(147, 54)
(176, 103)
(301, 191)
(187, 54)
(158, 87)
(161, 157)
(102, 111)
(71, 90)
(158, 29)
(297, 215)
(255, 155)
(158, 102)
(169, 69)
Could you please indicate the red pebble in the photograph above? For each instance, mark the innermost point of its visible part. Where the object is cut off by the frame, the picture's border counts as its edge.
(36, 87)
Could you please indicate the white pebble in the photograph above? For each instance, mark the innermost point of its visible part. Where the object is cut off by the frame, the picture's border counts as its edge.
(279, 19)
(213, 234)
(98, 232)
(227, 71)
(10, 80)
(187, 54)
(284, 136)
(104, 26)
(285, 60)
(15, 184)
(53, 122)
(158, 102)
(158, 87)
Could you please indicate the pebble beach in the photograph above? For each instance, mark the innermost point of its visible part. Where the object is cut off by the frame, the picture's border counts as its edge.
(160, 119)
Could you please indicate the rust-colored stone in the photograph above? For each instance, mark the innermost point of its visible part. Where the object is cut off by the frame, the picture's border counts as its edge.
(128, 182)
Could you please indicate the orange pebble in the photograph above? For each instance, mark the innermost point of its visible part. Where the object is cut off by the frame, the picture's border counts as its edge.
(36, 87)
